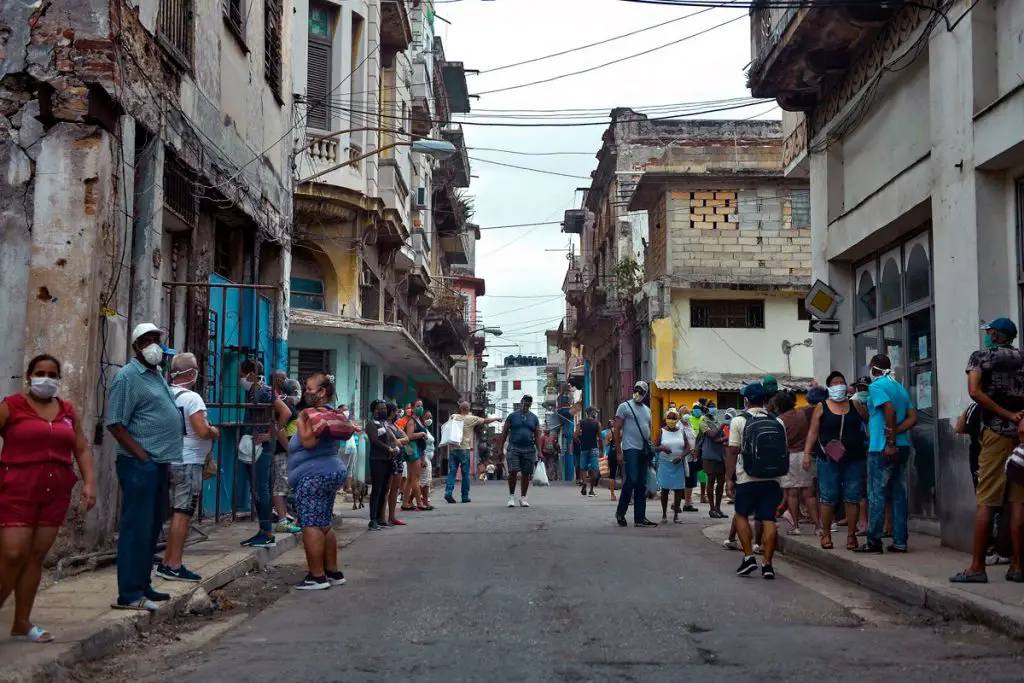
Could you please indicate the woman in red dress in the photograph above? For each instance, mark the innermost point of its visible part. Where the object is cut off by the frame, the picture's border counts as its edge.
(41, 436)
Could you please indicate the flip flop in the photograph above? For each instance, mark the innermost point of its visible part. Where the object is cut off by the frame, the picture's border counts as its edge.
(36, 634)
(968, 577)
(827, 545)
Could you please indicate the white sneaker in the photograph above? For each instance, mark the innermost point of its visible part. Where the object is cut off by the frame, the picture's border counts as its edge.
(731, 545)
(758, 550)
(511, 502)
(523, 503)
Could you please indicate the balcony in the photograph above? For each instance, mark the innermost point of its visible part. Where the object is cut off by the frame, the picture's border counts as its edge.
(422, 116)
(572, 285)
(794, 50)
(455, 169)
(395, 28)
(574, 221)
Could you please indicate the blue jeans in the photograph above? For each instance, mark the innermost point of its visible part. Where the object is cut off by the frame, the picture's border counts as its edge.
(635, 485)
(840, 482)
(887, 480)
(260, 473)
(143, 505)
(456, 459)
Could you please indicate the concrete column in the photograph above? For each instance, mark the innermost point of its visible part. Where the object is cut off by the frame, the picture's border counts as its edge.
(825, 170)
(147, 236)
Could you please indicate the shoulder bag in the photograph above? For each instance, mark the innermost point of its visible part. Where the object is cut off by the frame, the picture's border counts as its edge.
(648, 448)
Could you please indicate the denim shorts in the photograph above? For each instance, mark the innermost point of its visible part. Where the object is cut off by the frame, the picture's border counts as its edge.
(589, 459)
(843, 480)
(759, 499)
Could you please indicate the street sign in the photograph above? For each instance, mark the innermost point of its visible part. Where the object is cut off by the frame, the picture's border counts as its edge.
(825, 326)
(822, 301)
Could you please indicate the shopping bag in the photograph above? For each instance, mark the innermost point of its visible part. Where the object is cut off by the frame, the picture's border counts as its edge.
(451, 433)
(540, 475)
(652, 480)
(602, 465)
(330, 423)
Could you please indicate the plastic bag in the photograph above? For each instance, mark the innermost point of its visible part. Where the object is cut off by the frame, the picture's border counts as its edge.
(540, 475)
(652, 480)
(451, 433)
(602, 465)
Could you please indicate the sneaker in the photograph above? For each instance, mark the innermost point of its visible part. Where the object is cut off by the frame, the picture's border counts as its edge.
(156, 596)
(466, 500)
(620, 520)
(993, 559)
(583, 490)
(591, 495)
(373, 526)
(450, 499)
(758, 550)
(767, 572)
(313, 583)
(335, 578)
(732, 545)
(287, 528)
(511, 502)
(523, 502)
(645, 524)
(748, 566)
(180, 574)
(261, 541)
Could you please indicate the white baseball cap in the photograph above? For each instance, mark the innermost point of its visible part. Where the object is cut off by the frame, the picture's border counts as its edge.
(145, 328)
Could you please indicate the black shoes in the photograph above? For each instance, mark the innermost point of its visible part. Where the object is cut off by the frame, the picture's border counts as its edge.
(748, 566)
(767, 572)
(621, 520)
(449, 499)
(645, 524)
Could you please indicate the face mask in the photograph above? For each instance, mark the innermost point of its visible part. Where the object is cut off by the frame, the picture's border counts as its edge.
(293, 400)
(881, 373)
(44, 388)
(638, 397)
(428, 422)
(153, 354)
(311, 398)
(419, 412)
(837, 392)
(671, 423)
(712, 411)
(186, 383)
(246, 384)
(380, 414)
(696, 412)
(861, 396)
(344, 414)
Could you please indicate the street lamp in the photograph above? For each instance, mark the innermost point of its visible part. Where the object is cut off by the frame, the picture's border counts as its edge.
(439, 149)
(496, 331)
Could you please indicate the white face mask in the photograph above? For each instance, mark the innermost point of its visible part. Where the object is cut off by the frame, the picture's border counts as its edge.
(428, 422)
(246, 384)
(153, 354)
(837, 392)
(44, 388)
(185, 383)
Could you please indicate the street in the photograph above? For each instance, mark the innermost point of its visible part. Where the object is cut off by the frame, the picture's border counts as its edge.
(557, 592)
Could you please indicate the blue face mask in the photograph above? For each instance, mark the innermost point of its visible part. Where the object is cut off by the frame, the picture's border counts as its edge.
(712, 411)
(696, 412)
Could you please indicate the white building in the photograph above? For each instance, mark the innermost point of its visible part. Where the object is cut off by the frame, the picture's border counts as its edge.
(507, 384)
(908, 122)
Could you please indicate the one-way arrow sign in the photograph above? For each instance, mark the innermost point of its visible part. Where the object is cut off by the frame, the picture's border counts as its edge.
(827, 326)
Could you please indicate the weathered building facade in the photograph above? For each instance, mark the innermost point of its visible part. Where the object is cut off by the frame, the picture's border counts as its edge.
(907, 120)
(146, 149)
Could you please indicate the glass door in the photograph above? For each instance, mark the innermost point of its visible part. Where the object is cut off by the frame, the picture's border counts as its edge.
(920, 378)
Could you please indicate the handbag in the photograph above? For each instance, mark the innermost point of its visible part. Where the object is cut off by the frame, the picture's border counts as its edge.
(834, 450)
(330, 423)
(210, 468)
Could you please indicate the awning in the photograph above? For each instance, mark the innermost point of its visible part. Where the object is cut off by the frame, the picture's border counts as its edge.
(402, 353)
(711, 381)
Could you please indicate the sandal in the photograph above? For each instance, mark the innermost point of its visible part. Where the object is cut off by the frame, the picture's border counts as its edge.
(407, 509)
(827, 544)
(36, 634)
(851, 543)
(969, 577)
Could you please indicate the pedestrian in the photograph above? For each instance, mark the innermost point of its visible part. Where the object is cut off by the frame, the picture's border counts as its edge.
(712, 454)
(427, 466)
(798, 484)
(891, 415)
(383, 449)
(588, 432)
(522, 434)
(186, 481)
(149, 430)
(698, 475)
(995, 381)
(316, 473)
(757, 450)
(266, 414)
(549, 452)
(460, 457)
(971, 425)
(835, 439)
(417, 433)
(675, 441)
(41, 435)
(632, 435)
(397, 462)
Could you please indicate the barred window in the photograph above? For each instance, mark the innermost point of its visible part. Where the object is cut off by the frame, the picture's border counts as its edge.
(801, 200)
(272, 47)
(727, 314)
(174, 29)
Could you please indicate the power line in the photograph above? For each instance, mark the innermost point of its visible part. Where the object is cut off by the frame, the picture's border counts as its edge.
(527, 168)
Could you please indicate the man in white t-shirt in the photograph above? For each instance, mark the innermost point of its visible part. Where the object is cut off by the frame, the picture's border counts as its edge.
(186, 478)
(754, 496)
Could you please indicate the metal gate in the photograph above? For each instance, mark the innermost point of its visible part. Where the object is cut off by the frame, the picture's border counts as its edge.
(225, 324)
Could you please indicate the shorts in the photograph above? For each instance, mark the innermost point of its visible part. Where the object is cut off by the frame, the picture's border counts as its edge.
(589, 459)
(426, 473)
(691, 475)
(35, 495)
(398, 464)
(992, 482)
(797, 477)
(522, 459)
(314, 499)
(758, 498)
(714, 468)
(186, 483)
(279, 475)
(841, 481)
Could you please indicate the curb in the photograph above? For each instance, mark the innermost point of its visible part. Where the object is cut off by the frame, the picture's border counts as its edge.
(946, 601)
(102, 642)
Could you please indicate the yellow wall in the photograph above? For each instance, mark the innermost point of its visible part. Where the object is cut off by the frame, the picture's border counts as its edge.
(663, 344)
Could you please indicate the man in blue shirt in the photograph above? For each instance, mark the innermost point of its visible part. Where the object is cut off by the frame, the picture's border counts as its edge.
(522, 431)
(890, 418)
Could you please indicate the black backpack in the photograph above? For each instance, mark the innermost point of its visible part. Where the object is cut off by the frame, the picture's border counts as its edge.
(765, 449)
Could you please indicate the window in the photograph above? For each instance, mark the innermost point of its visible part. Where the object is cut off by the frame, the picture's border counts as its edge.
(303, 363)
(306, 293)
(727, 314)
(891, 282)
(801, 310)
(801, 201)
(174, 27)
(272, 45)
(504, 388)
(235, 16)
(1020, 238)
(517, 385)
(491, 386)
(318, 71)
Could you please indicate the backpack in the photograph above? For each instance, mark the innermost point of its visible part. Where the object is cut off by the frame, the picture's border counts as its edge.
(765, 450)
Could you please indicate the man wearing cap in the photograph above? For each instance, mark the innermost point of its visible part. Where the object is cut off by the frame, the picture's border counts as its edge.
(995, 381)
(149, 430)
(633, 441)
(770, 386)
(522, 432)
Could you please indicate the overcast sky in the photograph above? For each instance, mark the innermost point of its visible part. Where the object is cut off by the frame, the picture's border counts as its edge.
(524, 279)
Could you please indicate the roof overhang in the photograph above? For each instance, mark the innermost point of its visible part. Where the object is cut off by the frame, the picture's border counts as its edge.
(712, 381)
(478, 284)
(655, 183)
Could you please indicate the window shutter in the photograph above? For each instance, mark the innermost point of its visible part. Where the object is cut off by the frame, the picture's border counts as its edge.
(304, 363)
(318, 88)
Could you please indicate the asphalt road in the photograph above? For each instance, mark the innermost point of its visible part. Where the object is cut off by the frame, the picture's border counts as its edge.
(558, 592)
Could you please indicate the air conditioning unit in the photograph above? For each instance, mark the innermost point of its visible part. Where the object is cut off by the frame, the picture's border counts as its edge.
(370, 237)
(365, 278)
(419, 200)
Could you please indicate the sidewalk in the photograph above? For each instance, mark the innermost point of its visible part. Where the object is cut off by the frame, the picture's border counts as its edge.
(77, 610)
(919, 578)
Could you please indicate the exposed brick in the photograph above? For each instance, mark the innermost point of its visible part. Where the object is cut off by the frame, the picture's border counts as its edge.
(703, 210)
(696, 202)
(750, 241)
(715, 218)
(703, 195)
(725, 210)
(725, 195)
(716, 202)
(732, 248)
(702, 225)
(679, 195)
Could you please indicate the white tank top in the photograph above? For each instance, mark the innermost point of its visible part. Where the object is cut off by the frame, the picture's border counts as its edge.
(675, 440)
